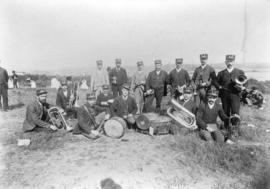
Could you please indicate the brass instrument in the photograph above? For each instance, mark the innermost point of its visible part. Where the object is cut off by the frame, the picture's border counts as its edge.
(240, 81)
(181, 115)
(74, 96)
(57, 118)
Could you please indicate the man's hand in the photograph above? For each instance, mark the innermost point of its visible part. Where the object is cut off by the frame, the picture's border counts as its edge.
(104, 103)
(129, 115)
(125, 116)
(107, 116)
(111, 100)
(203, 84)
(52, 127)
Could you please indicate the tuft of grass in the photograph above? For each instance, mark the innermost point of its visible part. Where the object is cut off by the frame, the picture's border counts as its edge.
(231, 158)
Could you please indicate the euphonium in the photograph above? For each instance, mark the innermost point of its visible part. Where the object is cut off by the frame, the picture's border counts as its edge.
(181, 115)
(57, 118)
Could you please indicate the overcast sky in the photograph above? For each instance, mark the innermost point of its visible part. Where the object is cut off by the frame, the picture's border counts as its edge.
(53, 34)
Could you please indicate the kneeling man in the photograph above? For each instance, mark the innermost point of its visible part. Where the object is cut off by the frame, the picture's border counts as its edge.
(125, 106)
(37, 114)
(207, 117)
(90, 118)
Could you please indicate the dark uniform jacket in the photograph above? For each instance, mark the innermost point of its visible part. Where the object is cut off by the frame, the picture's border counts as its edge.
(36, 116)
(190, 106)
(206, 115)
(121, 107)
(121, 76)
(61, 100)
(86, 118)
(204, 75)
(3, 76)
(179, 78)
(227, 81)
(157, 81)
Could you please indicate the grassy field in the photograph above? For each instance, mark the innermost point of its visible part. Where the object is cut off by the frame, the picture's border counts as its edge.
(62, 160)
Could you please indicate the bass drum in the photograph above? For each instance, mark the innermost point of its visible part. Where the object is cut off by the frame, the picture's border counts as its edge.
(115, 127)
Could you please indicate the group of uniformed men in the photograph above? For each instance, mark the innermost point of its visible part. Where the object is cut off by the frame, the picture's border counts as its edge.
(111, 95)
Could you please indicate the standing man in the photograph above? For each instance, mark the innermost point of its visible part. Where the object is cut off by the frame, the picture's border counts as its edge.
(118, 76)
(3, 88)
(138, 85)
(99, 78)
(178, 79)
(203, 77)
(15, 79)
(156, 81)
(125, 106)
(37, 114)
(229, 90)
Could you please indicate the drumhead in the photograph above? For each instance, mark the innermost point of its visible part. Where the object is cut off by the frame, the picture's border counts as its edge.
(115, 127)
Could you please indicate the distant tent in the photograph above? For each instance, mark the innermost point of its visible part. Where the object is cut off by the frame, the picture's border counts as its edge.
(84, 84)
(10, 84)
(55, 83)
(33, 84)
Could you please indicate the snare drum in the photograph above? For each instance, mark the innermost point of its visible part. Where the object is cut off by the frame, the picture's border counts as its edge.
(115, 127)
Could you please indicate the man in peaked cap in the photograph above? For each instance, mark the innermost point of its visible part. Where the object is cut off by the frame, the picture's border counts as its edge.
(203, 77)
(106, 98)
(125, 106)
(138, 85)
(229, 91)
(178, 78)
(90, 118)
(99, 78)
(37, 114)
(157, 81)
(207, 115)
(118, 76)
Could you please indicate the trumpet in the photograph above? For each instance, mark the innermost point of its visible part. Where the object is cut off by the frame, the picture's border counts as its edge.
(181, 115)
(57, 118)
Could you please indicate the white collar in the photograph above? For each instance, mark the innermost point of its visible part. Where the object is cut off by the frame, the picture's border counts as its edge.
(230, 69)
(178, 70)
(203, 66)
(211, 105)
(158, 72)
(124, 98)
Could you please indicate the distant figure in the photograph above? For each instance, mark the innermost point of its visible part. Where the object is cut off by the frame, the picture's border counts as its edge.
(125, 106)
(178, 79)
(90, 117)
(84, 84)
(55, 83)
(203, 77)
(138, 86)
(157, 81)
(33, 84)
(37, 114)
(15, 79)
(3, 88)
(99, 78)
(118, 76)
(10, 83)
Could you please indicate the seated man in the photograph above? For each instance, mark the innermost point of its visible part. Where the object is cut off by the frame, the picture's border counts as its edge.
(36, 113)
(90, 118)
(63, 100)
(106, 98)
(187, 100)
(207, 117)
(125, 106)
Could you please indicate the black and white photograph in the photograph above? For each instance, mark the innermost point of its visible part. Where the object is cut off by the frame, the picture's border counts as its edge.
(134, 94)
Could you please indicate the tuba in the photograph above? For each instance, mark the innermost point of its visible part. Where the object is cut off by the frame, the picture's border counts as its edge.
(181, 115)
(57, 118)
